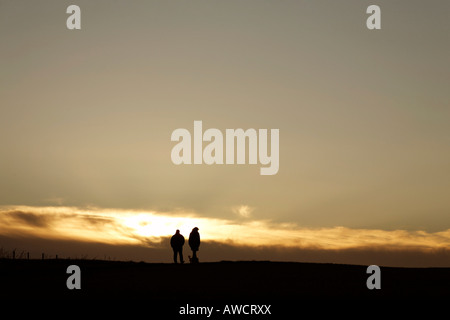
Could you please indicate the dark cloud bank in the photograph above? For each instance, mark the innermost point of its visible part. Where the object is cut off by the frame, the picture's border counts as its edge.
(214, 251)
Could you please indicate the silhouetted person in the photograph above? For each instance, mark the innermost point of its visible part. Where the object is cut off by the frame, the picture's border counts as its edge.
(194, 243)
(177, 242)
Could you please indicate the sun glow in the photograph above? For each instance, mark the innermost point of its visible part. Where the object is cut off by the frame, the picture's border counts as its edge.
(147, 228)
(149, 224)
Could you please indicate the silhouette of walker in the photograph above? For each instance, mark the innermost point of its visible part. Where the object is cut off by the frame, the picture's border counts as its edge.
(177, 242)
(194, 243)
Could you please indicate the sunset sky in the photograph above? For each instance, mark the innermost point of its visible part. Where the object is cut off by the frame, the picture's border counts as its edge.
(363, 115)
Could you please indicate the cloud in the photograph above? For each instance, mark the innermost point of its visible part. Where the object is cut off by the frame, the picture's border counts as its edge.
(26, 218)
(150, 229)
(60, 222)
(243, 211)
(211, 251)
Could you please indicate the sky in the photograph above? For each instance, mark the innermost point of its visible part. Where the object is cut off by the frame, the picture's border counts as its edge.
(363, 118)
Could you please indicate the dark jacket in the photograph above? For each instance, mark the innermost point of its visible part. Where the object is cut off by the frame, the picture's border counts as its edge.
(177, 241)
(194, 240)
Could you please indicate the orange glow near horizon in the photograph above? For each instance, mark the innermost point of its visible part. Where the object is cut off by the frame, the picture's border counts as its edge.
(146, 228)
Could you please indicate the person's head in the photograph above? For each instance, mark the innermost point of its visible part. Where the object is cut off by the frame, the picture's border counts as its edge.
(177, 232)
(195, 229)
